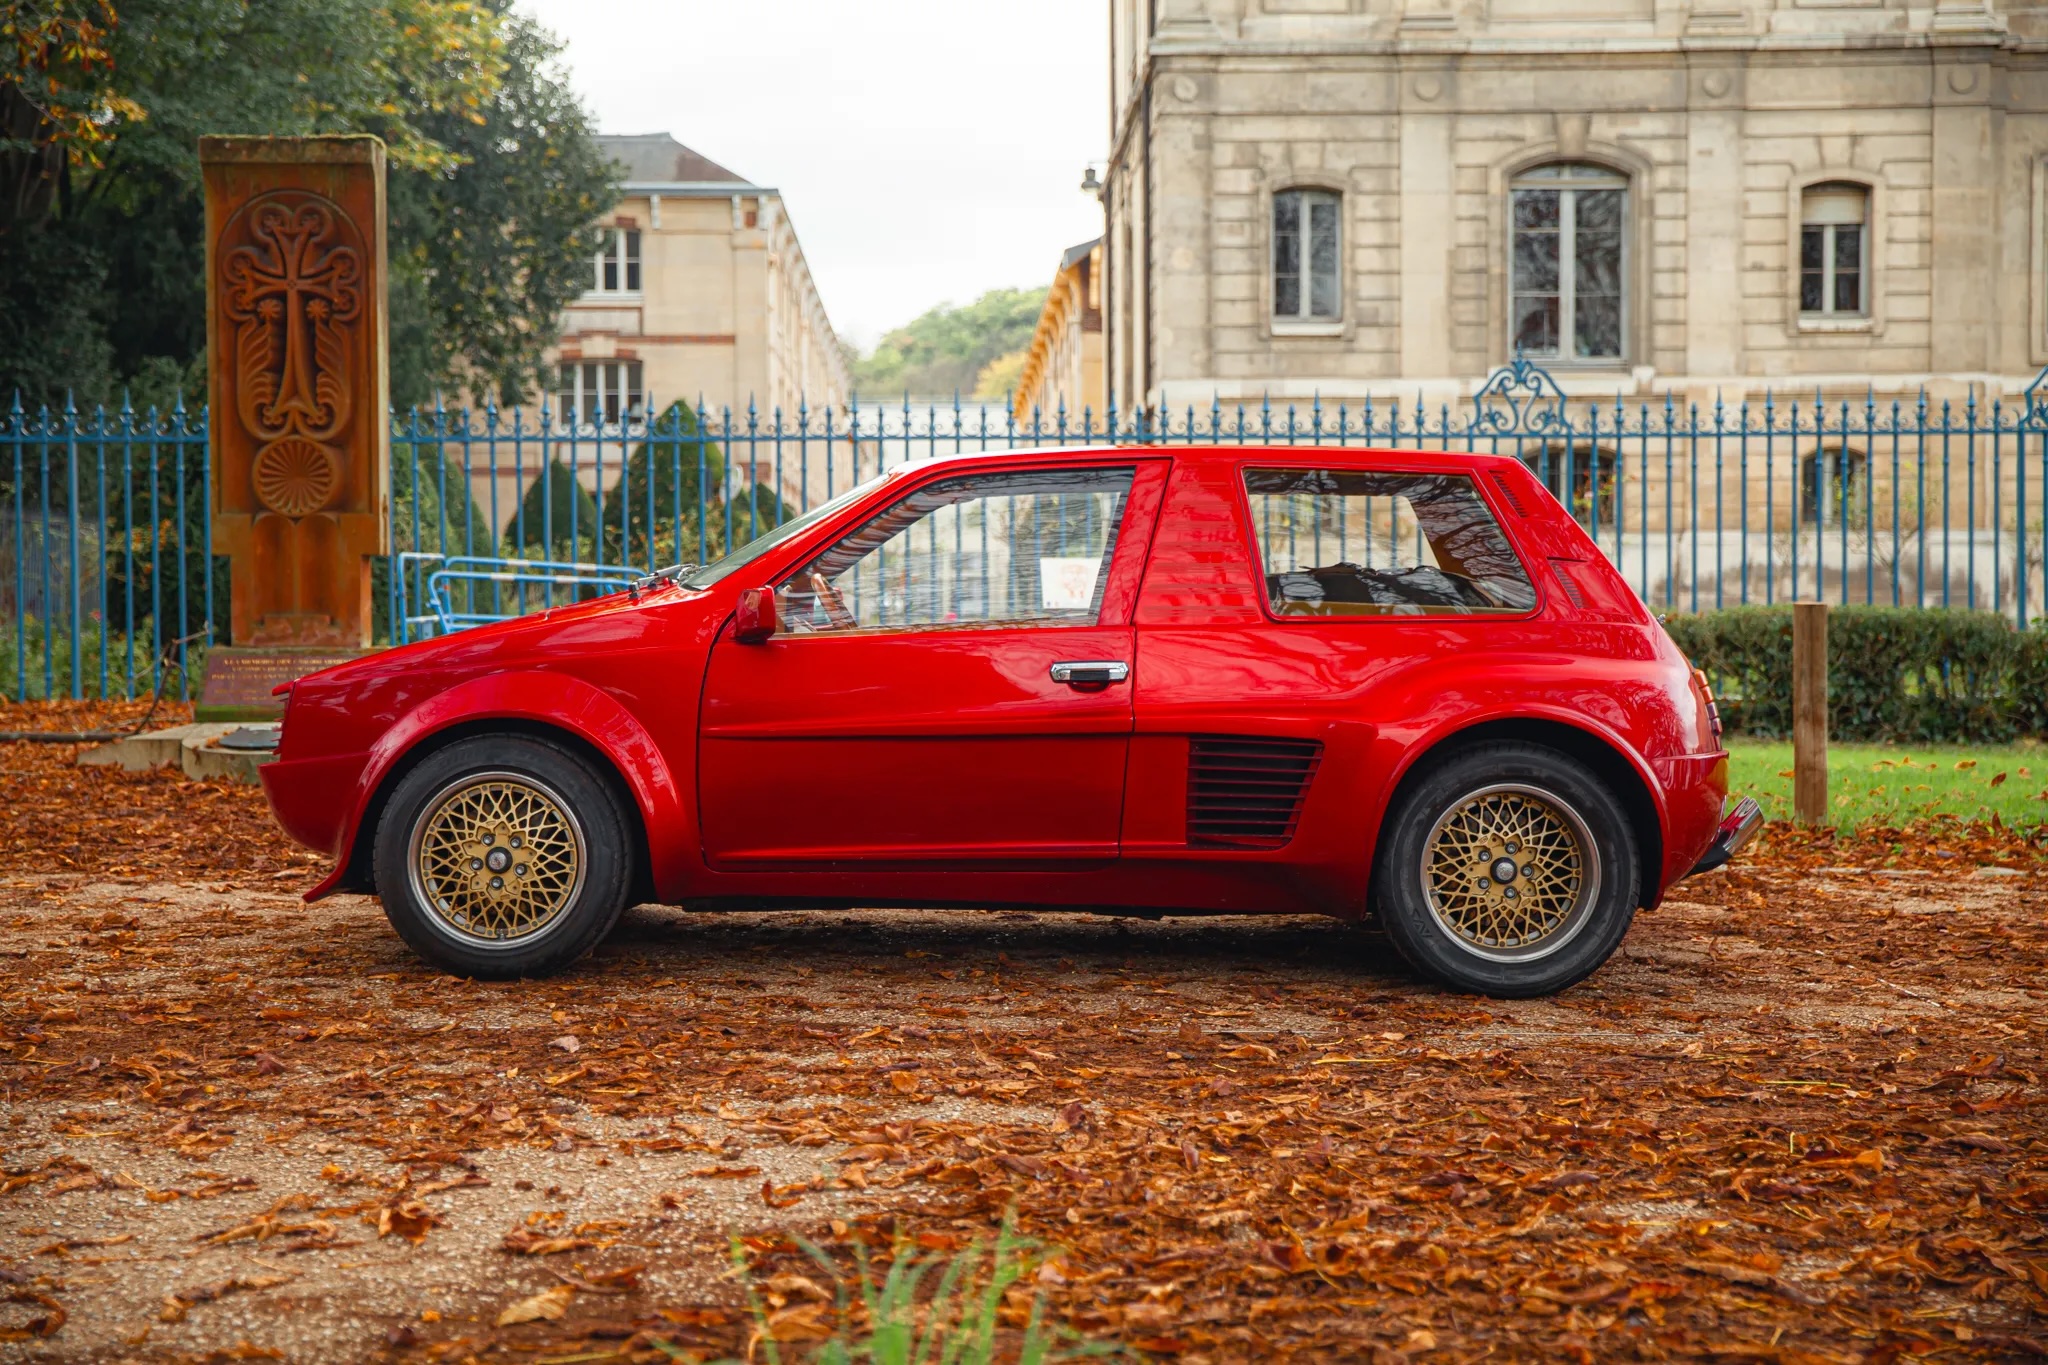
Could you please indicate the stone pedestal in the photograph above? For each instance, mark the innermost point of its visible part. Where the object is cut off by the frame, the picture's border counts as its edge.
(296, 341)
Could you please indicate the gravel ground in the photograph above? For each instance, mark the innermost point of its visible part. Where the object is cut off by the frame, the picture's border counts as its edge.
(325, 1066)
(1798, 1117)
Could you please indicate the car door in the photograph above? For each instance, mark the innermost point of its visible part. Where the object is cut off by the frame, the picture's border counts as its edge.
(951, 679)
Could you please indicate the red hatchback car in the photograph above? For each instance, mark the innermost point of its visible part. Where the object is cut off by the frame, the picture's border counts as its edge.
(1346, 682)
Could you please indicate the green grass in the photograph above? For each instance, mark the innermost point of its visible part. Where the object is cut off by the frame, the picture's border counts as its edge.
(1890, 784)
(939, 1309)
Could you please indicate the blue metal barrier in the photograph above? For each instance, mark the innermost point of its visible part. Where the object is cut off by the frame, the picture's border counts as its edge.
(105, 544)
(513, 588)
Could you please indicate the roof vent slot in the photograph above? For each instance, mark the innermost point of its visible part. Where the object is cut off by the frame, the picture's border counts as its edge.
(1507, 492)
(1567, 578)
(1247, 793)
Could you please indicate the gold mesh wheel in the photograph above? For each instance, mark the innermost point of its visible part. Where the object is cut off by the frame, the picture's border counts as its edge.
(1510, 872)
(497, 858)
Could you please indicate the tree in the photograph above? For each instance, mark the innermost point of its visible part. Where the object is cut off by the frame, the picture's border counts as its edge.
(944, 350)
(557, 518)
(999, 378)
(494, 175)
(676, 467)
(497, 242)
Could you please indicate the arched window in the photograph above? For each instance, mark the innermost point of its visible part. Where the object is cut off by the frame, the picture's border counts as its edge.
(1307, 234)
(1569, 262)
(1833, 249)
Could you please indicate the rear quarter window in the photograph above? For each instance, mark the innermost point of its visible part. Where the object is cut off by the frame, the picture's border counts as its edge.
(1347, 542)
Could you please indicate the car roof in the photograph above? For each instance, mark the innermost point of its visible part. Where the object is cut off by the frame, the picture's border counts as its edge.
(1405, 456)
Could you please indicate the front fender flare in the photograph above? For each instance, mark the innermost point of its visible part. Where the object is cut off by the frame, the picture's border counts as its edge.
(554, 701)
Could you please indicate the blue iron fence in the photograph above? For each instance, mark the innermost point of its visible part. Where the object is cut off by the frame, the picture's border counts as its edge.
(107, 575)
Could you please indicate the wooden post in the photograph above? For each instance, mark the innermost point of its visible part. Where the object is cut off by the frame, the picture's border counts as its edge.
(1810, 712)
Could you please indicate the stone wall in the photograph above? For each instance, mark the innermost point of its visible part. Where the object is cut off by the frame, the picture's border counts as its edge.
(727, 310)
(1718, 112)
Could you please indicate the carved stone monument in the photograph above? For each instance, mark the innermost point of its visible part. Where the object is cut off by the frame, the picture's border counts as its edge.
(298, 392)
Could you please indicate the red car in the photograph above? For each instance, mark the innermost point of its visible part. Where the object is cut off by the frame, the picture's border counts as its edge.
(1346, 682)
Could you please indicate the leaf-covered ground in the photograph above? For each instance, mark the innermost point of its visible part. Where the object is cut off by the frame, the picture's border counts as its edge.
(1798, 1118)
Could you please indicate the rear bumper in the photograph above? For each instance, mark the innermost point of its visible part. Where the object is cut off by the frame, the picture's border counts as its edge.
(1738, 827)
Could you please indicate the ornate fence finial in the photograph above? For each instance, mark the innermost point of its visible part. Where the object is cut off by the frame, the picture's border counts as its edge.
(1519, 399)
(2037, 399)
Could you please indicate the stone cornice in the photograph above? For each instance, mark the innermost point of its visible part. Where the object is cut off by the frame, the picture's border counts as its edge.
(1438, 47)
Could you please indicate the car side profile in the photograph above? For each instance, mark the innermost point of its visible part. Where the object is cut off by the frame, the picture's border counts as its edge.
(1395, 684)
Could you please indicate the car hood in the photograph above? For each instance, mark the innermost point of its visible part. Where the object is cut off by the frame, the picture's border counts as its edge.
(615, 618)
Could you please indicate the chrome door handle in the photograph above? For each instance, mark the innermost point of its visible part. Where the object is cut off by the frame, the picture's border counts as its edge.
(1091, 673)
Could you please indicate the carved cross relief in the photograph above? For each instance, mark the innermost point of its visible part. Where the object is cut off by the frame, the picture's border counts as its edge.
(294, 291)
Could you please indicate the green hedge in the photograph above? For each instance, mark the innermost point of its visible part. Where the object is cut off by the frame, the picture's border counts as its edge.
(1894, 673)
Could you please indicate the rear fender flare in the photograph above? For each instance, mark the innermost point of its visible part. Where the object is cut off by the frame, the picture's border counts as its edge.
(537, 700)
(1419, 748)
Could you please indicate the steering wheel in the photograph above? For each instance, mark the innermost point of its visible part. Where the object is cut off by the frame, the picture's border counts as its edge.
(834, 604)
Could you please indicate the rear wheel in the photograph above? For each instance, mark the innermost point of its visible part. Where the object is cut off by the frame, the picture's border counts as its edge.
(503, 855)
(1507, 870)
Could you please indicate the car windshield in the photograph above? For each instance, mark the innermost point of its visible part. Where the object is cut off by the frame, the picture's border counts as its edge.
(760, 545)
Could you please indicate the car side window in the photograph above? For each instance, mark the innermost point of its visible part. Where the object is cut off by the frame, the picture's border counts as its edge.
(1018, 548)
(1346, 542)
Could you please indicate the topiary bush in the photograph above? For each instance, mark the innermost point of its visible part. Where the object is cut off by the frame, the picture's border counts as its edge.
(1909, 674)
(2030, 683)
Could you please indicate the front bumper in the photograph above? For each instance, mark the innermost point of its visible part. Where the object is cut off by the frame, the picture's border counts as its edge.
(314, 798)
(1738, 827)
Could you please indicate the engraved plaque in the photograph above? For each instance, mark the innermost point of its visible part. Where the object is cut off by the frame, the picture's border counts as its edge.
(239, 681)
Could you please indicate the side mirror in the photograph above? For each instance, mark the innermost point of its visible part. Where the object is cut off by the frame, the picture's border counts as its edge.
(755, 621)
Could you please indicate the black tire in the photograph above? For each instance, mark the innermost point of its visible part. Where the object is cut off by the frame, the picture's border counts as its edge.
(503, 796)
(1459, 902)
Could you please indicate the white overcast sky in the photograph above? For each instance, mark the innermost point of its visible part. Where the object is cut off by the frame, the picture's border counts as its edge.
(927, 149)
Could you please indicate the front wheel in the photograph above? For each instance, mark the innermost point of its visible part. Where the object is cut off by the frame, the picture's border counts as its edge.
(502, 856)
(1508, 870)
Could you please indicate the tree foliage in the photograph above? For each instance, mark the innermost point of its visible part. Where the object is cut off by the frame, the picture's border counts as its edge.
(681, 474)
(945, 350)
(498, 240)
(557, 519)
(494, 175)
(1000, 377)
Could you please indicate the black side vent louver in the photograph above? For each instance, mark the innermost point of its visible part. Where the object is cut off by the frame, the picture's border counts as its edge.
(1247, 793)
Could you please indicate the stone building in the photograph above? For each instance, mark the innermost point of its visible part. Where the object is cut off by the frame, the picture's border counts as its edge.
(1345, 197)
(700, 290)
(1063, 364)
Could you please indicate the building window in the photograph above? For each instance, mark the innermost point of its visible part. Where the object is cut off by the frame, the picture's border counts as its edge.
(1834, 487)
(618, 265)
(598, 391)
(1578, 474)
(1569, 262)
(1306, 239)
(1833, 232)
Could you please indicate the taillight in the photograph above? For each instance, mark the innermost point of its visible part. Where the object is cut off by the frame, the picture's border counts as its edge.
(1699, 677)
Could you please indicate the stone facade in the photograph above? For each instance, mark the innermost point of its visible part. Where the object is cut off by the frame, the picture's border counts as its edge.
(702, 292)
(1732, 128)
(1063, 366)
